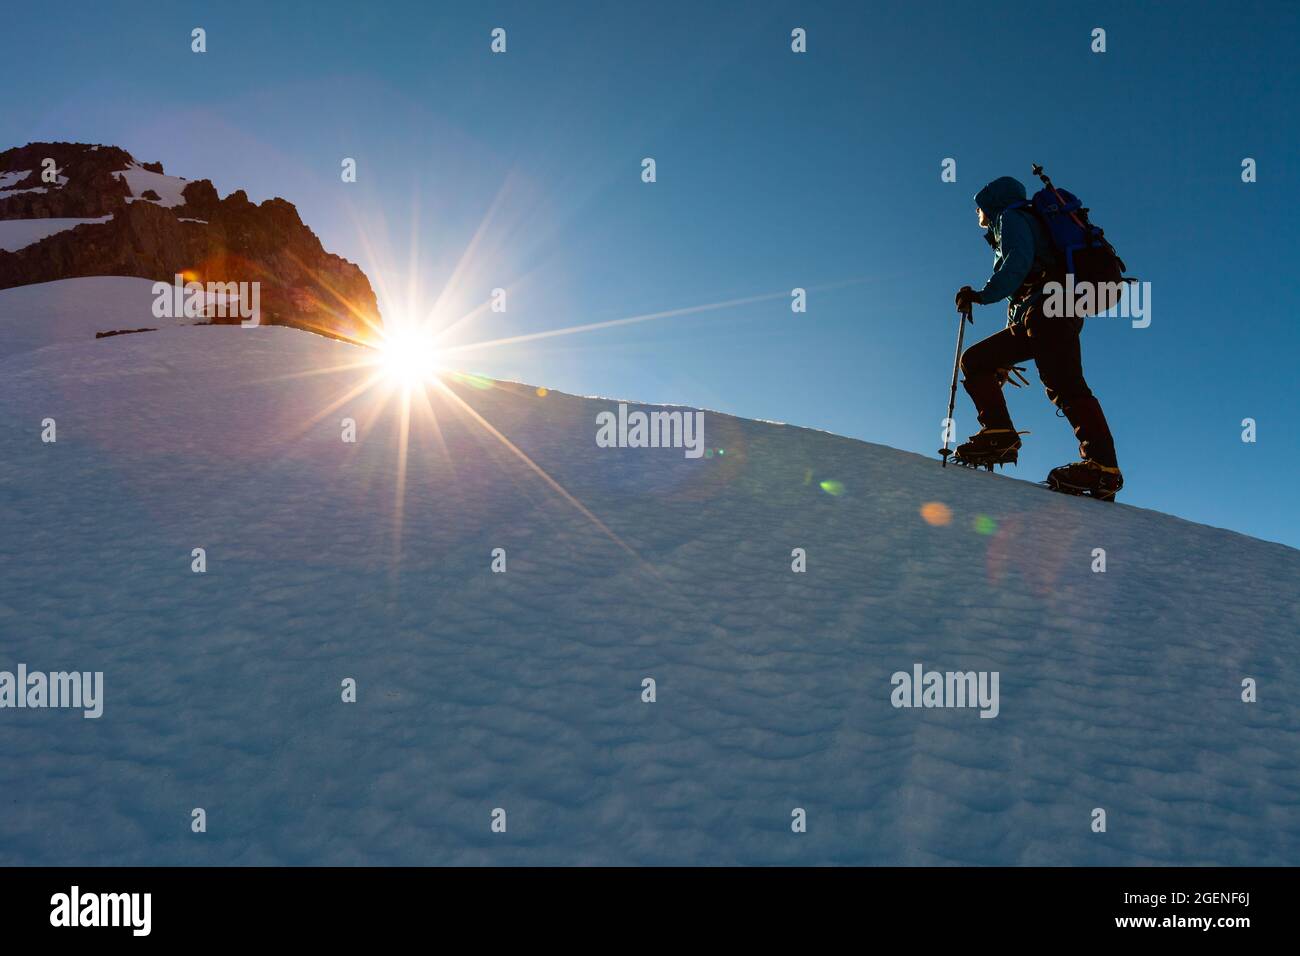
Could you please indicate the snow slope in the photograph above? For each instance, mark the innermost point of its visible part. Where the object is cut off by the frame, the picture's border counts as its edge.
(522, 690)
(73, 310)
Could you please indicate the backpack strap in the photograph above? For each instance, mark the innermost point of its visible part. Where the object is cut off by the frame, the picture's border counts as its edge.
(1042, 269)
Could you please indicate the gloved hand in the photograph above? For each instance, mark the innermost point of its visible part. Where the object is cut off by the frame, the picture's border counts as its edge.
(966, 297)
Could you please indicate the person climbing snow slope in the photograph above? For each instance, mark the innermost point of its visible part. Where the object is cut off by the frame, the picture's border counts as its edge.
(1025, 261)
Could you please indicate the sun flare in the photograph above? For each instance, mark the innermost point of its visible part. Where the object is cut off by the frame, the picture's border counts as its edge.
(409, 358)
(413, 359)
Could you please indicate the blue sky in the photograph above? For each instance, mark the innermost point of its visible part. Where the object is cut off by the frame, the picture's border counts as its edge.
(775, 170)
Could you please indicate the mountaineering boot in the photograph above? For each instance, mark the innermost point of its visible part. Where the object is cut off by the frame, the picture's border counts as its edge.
(989, 447)
(1098, 474)
(1087, 477)
(1089, 423)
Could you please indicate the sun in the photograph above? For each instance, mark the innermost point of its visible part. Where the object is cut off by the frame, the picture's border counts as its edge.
(408, 357)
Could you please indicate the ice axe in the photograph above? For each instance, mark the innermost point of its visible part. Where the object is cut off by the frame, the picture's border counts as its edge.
(962, 319)
(1038, 171)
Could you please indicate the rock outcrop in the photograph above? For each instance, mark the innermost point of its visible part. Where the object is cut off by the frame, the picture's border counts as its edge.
(87, 189)
(204, 238)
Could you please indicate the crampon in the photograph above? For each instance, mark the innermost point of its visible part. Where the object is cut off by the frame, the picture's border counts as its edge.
(1087, 479)
(987, 448)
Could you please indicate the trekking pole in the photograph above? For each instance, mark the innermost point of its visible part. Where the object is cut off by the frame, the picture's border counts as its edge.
(962, 319)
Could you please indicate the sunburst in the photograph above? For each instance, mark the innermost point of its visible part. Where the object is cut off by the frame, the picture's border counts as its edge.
(407, 363)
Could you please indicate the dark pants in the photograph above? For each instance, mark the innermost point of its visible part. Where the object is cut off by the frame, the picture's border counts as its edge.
(1054, 348)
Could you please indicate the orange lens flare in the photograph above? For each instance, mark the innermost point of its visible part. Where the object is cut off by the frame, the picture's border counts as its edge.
(936, 513)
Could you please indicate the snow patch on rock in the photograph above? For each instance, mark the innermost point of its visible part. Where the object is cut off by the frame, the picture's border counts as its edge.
(13, 176)
(17, 234)
(140, 180)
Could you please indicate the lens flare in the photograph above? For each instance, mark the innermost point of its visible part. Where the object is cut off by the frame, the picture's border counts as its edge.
(936, 513)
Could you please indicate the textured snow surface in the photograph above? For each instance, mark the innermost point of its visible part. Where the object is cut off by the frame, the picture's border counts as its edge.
(522, 690)
(18, 233)
(73, 310)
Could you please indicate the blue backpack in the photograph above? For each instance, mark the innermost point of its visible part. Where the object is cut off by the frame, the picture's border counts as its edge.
(1082, 249)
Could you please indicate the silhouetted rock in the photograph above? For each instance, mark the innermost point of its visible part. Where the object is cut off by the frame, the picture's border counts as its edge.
(234, 240)
(93, 190)
(200, 198)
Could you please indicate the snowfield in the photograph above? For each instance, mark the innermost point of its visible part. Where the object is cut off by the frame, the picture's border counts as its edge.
(73, 310)
(523, 690)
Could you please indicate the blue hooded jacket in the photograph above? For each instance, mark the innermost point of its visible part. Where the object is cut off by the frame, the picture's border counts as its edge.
(1021, 246)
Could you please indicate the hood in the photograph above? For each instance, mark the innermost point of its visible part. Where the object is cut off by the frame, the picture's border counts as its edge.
(999, 194)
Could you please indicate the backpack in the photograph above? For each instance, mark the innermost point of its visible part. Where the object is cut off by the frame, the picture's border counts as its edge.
(1081, 248)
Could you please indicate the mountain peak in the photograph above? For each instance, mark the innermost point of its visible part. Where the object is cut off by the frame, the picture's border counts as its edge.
(70, 210)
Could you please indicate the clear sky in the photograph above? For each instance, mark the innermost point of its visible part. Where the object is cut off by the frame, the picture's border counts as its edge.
(775, 170)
